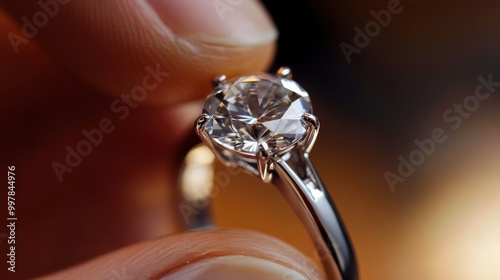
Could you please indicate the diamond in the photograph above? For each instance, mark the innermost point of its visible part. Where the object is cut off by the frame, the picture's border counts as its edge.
(257, 108)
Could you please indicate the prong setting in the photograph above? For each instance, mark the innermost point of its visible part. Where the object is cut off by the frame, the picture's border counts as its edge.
(264, 162)
(312, 126)
(218, 80)
(230, 128)
(219, 93)
(201, 122)
(285, 72)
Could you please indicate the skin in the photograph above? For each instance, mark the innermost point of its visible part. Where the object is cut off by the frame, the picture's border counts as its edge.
(106, 212)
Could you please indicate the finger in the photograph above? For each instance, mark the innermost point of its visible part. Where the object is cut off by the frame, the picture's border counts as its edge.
(221, 254)
(113, 44)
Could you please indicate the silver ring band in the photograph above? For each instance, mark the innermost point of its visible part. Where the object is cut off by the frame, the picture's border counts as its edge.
(310, 200)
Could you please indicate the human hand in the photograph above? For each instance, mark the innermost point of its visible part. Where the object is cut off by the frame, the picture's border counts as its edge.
(119, 190)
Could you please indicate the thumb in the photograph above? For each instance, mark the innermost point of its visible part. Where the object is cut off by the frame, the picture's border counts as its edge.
(207, 255)
(114, 44)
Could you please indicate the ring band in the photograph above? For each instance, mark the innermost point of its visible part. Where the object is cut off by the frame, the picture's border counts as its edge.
(263, 124)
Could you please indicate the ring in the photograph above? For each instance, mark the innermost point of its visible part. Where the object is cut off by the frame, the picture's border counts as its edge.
(263, 124)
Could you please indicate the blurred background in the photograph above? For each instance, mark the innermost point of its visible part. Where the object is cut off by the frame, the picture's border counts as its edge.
(376, 89)
(443, 221)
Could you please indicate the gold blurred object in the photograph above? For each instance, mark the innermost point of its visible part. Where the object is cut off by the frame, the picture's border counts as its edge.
(198, 174)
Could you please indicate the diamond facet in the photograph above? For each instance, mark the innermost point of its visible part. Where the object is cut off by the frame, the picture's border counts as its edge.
(257, 108)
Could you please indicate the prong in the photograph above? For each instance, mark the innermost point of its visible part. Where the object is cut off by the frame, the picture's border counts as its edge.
(200, 123)
(264, 162)
(219, 93)
(285, 72)
(312, 124)
(218, 80)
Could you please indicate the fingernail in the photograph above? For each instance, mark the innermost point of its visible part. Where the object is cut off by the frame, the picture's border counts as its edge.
(226, 22)
(234, 267)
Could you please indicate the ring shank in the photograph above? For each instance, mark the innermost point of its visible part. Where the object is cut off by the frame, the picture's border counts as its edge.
(297, 180)
(299, 183)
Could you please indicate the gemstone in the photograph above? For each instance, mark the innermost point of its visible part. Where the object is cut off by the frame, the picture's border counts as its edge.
(257, 108)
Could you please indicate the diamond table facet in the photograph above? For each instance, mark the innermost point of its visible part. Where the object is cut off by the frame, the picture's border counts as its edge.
(257, 108)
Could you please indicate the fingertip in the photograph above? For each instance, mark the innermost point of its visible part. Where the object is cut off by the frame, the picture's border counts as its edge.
(192, 79)
(227, 23)
(234, 267)
(111, 43)
(194, 255)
